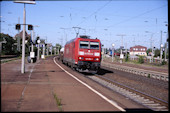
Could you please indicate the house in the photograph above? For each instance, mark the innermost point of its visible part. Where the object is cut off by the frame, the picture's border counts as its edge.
(138, 50)
(21, 35)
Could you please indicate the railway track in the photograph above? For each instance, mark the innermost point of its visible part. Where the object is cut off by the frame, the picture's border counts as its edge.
(146, 100)
(140, 97)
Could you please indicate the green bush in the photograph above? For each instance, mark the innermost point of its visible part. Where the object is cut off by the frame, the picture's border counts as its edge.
(127, 58)
(163, 62)
(141, 59)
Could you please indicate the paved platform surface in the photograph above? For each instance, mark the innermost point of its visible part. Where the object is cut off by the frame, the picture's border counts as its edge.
(35, 89)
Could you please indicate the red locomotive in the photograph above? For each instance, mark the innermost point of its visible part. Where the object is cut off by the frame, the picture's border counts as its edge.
(83, 53)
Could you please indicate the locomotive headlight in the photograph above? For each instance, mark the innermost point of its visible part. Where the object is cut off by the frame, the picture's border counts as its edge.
(81, 58)
(96, 54)
(81, 53)
(97, 59)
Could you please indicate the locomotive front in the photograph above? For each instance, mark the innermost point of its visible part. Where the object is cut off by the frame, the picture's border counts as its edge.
(89, 54)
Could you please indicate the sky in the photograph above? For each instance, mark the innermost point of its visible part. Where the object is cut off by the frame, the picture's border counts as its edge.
(118, 22)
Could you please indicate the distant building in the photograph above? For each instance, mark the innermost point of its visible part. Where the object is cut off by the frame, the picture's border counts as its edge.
(138, 50)
(21, 35)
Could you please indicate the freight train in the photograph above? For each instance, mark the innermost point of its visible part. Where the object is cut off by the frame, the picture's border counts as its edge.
(83, 53)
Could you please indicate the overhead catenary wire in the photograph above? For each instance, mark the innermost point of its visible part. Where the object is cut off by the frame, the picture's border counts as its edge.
(136, 16)
(94, 12)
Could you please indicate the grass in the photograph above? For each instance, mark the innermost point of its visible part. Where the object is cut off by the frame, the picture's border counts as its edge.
(58, 102)
(149, 76)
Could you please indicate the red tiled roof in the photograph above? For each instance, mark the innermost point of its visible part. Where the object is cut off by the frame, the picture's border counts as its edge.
(139, 48)
(21, 34)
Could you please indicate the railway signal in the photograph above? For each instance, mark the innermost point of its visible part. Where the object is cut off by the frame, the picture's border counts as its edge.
(30, 27)
(18, 27)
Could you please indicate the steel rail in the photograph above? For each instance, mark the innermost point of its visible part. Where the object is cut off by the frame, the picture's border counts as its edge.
(155, 99)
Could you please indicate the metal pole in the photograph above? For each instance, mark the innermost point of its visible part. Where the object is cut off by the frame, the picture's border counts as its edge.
(44, 50)
(152, 49)
(32, 46)
(152, 54)
(0, 47)
(161, 55)
(112, 54)
(165, 50)
(51, 50)
(161, 48)
(55, 51)
(18, 38)
(126, 50)
(38, 55)
(47, 50)
(122, 44)
(103, 53)
(23, 45)
(58, 50)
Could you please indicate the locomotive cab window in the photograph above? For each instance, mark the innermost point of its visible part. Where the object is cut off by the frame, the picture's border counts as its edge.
(94, 45)
(84, 44)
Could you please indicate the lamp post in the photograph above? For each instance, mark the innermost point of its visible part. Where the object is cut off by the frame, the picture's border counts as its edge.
(23, 40)
(112, 51)
(23, 45)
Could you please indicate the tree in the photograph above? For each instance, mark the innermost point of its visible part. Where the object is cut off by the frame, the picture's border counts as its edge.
(141, 59)
(148, 51)
(58, 45)
(8, 48)
(157, 53)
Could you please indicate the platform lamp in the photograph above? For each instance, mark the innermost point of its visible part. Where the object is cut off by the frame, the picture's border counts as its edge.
(23, 40)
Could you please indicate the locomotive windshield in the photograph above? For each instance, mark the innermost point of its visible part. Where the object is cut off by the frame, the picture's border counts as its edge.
(89, 45)
(94, 45)
(84, 44)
